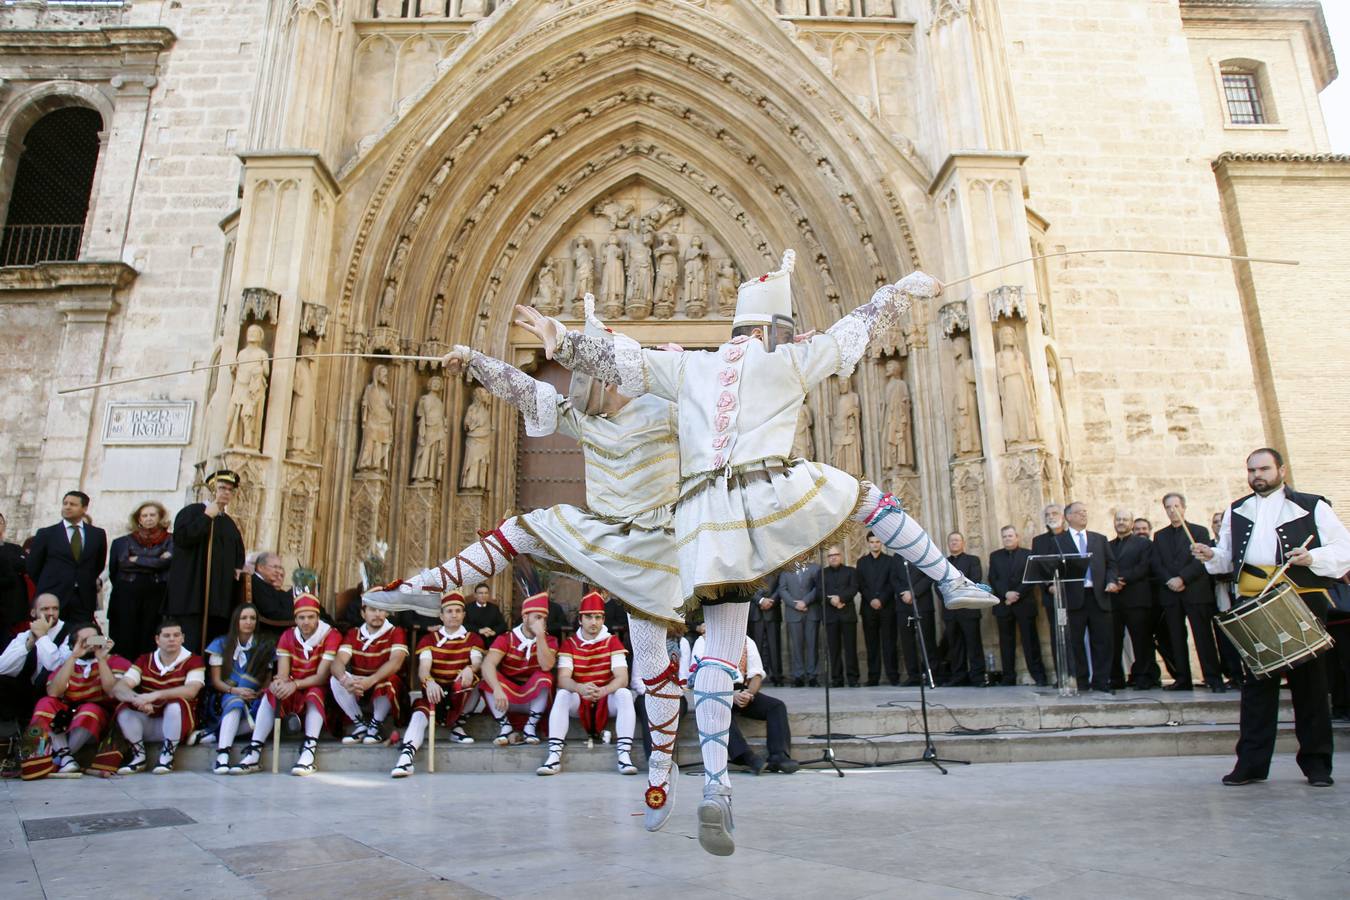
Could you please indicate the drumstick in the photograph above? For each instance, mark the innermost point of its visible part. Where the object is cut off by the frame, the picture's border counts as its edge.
(1284, 568)
(431, 742)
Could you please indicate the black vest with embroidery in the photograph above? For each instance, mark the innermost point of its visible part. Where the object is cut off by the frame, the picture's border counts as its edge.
(1289, 537)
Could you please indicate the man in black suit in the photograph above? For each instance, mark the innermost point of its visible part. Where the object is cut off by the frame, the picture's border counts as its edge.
(1133, 607)
(840, 613)
(967, 648)
(1187, 594)
(876, 582)
(67, 559)
(1089, 601)
(1162, 639)
(916, 609)
(765, 628)
(1016, 610)
(483, 616)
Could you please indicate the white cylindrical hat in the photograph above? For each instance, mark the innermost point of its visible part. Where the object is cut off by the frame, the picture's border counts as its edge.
(768, 297)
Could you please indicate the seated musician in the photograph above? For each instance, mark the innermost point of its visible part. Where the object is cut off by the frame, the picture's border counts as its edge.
(367, 673)
(448, 661)
(238, 664)
(158, 697)
(304, 654)
(1278, 531)
(79, 702)
(518, 673)
(592, 686)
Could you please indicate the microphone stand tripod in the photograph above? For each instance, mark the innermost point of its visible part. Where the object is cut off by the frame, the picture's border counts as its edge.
(828, 756)
(930, 754)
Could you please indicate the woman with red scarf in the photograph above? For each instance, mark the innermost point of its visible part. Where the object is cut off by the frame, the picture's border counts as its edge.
(138, 566)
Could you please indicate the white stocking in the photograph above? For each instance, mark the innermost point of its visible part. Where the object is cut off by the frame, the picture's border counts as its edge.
(313, 721)
(662, 699)
(173, 723)
(229, 727)
(483, 558)
(262, 725)
(565, 705)
(381, 708)
(724, 642)
(625, 718)
(132, 724)
(349, 704)
(894, 528)
(417, 729)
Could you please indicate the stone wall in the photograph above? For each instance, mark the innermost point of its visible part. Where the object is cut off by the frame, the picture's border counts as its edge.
(1160, 386)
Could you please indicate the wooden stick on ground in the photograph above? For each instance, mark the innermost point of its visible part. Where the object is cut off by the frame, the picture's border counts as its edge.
(431, 742)
(276, 745)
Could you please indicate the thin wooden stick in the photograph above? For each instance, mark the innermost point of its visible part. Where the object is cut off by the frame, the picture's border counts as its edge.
(392, 357)
(276, 745)
(1253, 259)
(1285, 568)
(431, 743)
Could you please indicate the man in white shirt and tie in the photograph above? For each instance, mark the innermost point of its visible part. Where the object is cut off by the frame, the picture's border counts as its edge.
(67, 559)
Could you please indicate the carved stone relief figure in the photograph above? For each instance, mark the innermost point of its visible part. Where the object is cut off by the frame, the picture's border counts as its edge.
(726, 289)
(384, 314)
(431, 433)
(251, 370)
(695, 279)
(667, 276)
(794, 7)
(967, 419)
(881, 8)
(477, 441)
(583, 269)
(302, 399)
(638, 303)
(804, 439)
(377, 423)
(841, 8)
(899, 447)
(472, 9)
(848, 430)
(388, 9)
(612, 280)
(1014, 383)
(548, 300)
(436, 327)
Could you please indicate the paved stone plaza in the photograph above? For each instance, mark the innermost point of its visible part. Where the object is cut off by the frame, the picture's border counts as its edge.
(1144, 828)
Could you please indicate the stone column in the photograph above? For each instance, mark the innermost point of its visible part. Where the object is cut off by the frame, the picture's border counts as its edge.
(119, 151)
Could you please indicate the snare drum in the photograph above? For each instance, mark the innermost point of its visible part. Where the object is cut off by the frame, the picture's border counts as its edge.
(1274, 631)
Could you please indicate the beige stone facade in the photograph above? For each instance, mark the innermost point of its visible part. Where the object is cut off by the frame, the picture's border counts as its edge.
(391, 177)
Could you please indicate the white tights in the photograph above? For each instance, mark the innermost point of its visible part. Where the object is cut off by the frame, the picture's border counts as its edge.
(724, 641)
(229, 727)
(480, 559)
(566, 705)
(267, 714)
(894, 528)
(137, 726)
(380, 707)
(661, 701)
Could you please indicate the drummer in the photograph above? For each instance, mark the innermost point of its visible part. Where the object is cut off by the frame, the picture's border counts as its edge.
(1262, 531)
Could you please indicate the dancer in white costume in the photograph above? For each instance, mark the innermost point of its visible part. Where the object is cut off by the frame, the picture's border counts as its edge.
(623, 541)
(746, 508)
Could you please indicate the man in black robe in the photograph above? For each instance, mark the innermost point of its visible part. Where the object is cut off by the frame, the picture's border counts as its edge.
(205, 531)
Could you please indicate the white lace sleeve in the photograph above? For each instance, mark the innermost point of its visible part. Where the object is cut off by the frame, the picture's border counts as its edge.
(632, 366)
(853, 332)
(592, 356)
(536, 400)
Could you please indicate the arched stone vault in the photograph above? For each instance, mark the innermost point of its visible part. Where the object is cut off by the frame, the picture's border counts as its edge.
(464, 194)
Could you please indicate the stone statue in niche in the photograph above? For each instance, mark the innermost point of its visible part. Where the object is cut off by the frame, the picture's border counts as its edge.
(848, 430)
(472, 9)
(384, 313)
(667, 276)
(473, 473)
(804, 440)
(1014, 385)
(377, 423)
(401, 254)
(303, 389)
(967, 418)
(638, 303)
(420, 210)
(695, 279)
(841, 8)
(612, 279)
(899, 447)
(881, 9)
(431, 432)
(548, 296)
(388, 9)
(1057, 395)
(583, 272)
(436, 327)
(794, 8)
(726, 289)
(432, 9)
(251, 370)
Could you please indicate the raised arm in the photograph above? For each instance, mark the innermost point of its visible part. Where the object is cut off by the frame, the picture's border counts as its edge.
(614, 359)
(537, 401)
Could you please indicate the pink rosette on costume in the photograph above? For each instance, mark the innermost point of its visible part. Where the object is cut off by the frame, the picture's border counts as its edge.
(727, 377)
(726, 401)
(722, 422)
